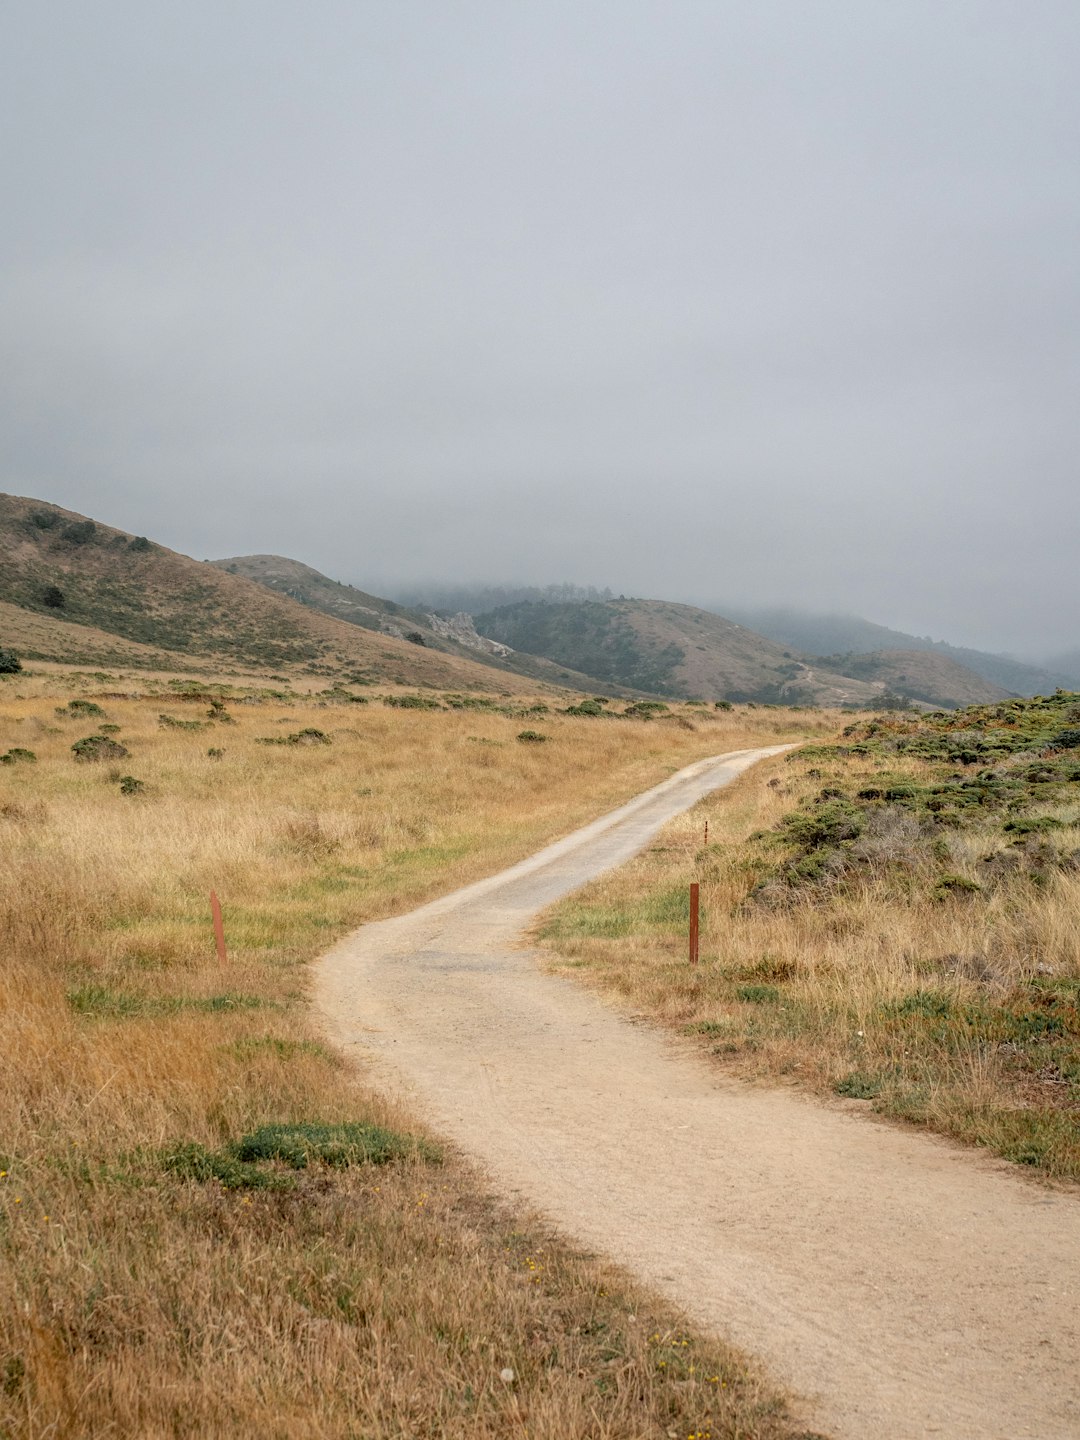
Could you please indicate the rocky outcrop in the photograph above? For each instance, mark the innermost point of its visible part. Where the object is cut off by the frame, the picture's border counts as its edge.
(460, 627)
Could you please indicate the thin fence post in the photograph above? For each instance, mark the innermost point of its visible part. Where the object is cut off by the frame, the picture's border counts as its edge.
(694, 923)
(219, 926)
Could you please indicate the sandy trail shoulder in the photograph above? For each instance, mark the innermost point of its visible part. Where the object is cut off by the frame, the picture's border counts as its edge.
(906, 1287)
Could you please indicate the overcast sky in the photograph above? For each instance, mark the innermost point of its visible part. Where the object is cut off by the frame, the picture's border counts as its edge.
(767, 299)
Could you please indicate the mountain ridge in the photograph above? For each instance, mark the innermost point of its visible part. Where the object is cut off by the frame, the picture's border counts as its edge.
(64, 570)
(670, 648)
(71, 583)
(827, 634)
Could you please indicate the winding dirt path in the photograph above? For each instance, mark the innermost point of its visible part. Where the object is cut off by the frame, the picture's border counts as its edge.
(904, 1286)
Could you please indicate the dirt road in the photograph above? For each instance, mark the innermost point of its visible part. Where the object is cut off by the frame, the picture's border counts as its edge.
(905, 1287)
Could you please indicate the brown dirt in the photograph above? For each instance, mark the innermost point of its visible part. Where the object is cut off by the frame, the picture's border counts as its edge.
(902, 1286)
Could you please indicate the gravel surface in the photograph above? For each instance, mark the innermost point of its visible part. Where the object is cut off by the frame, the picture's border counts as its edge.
(900, 1285)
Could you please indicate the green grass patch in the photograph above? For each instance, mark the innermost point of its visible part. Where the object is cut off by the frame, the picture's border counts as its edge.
(254, 1047)
(758, 994)
(101, 1002)
(262, 1159)
(859, 1086)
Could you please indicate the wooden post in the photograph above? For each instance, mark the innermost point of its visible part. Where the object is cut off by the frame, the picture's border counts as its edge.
(219, 927)
(706, 832)
(694, 923)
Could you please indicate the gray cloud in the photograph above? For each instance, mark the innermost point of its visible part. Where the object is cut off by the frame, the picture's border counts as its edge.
(768, 301)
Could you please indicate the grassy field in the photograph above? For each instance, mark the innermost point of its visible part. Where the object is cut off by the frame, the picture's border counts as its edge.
(209, 1225)
(891, 919)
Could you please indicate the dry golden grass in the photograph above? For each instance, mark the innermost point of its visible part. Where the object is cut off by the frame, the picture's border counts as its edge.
(953, 1010)
(365, 1301)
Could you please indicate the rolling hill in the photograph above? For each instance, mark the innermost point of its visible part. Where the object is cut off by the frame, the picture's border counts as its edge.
(74, 589)
(69, 578)
(672, 649)
(925, 675)
(300, 582)
(833, 635)
(455, 634)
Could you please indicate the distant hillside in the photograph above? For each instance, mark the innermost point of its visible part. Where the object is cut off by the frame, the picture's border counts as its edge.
(925, 675)
(454, 634)
(1069, 666)
(41, 637)
(479, 599)
(669, 649)
(848, 634)
(67, 571)
(301, 582)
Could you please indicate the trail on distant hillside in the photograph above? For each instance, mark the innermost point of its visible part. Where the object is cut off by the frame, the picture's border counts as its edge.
(906, 1287)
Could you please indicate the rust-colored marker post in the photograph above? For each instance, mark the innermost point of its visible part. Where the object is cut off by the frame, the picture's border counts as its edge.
(694, 923)
(706, 832)
(219, 927)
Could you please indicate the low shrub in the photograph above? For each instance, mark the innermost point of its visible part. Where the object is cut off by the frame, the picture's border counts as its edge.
(949, 884)
(18, 756)
(309, 736)
(170, 722)
(532, 737)
(1034, 825)
(411, 702)
(79, 532)
(10, 664)
(99, 747)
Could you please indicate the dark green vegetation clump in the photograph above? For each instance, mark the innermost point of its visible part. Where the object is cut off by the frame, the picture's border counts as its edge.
(170, 722)
(1008, 773)
(18, 756)
(263, 1159)
(10, 664)
(98, 747)
(309, 736)
(87, 708)
(411, 702)
(532, 737)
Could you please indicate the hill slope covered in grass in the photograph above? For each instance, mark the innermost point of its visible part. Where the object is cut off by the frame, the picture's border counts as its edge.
(63, 567)
(310, 587)
(673, 649)
(455, 636)
(926, 675)
(834, 635)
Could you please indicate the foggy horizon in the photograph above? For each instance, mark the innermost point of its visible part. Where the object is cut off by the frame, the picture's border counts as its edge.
(767, 305)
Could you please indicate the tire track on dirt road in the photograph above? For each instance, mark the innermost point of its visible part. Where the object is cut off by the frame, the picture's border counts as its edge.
(903, 1286)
